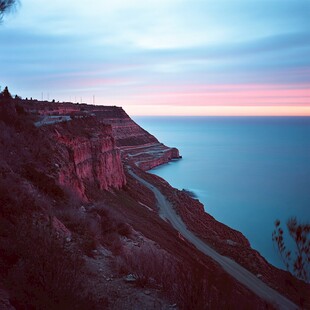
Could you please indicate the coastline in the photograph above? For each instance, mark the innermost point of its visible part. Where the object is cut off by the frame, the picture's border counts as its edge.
(244, 170)
(227, 241)
(141, 149)
(92, 157)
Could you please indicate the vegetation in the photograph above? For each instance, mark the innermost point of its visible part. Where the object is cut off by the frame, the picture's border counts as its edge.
(181, 283)
(6, 5)
(44, 271)
(46, 234)
(296, 259)
(38, 267)
(5, 94)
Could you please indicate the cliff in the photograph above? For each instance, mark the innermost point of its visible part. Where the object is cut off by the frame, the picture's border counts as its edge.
(230, 243)
(135, 143)
(75, 169)
(88, 156)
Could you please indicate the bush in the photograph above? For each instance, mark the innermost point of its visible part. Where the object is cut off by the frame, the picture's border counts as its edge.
(148, 264)
(112, 228)
(181, 283)
(85, 227)
(49, 274)
(99, 225)
(44, 182)
(296, 258)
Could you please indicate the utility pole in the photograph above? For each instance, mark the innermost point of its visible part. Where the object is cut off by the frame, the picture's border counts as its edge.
(93, 99)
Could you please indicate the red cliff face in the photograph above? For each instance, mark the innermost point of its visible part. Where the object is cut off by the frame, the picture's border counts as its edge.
(89, 156)
(150, 156)
(125, 130)
(136, 144)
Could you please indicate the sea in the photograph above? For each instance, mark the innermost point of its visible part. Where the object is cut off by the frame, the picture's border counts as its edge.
(247, 171)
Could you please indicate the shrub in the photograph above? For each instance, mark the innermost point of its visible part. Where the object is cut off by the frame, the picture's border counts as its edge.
(149, 265)
(85, 227)
(44, 182)
(190, 290)
(112, 221)
(181, 283)
(296, 258)
(49, 274)
(124, 229)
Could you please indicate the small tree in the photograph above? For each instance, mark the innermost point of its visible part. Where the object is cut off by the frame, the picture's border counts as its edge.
(5, 94)
(296, 260)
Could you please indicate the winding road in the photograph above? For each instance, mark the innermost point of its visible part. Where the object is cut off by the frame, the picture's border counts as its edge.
(241, 274)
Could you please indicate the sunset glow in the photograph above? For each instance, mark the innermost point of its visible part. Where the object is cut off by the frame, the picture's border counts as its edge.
(218, 110)
(162, 57)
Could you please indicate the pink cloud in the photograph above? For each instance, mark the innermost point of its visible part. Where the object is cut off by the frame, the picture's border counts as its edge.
(219, 110)
(250, 99)
(224, 95)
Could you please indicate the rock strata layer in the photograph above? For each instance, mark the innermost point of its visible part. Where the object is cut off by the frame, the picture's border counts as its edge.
(89, 156)
(91, 145)
(135, 143)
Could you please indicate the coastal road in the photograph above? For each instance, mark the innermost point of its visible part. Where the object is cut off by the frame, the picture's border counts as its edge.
(241, 274)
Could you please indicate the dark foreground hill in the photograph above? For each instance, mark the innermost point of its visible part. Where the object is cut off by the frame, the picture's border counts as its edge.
(79, 231)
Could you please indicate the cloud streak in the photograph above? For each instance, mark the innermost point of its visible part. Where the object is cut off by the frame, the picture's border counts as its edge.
(122, 51)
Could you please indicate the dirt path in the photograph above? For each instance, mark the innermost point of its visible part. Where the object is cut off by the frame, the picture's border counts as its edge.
(237, 271)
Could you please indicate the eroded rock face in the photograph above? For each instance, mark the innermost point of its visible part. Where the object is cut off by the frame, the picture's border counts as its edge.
(125, 130)
(89, 156)
(136, 144)
(147, 157)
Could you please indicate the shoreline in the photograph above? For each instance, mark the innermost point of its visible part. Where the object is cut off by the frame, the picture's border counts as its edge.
(96, 145)
(241, 274)
(226, 240)
(244, 179)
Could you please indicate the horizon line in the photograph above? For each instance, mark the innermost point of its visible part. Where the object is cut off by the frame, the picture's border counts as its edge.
(238, 111)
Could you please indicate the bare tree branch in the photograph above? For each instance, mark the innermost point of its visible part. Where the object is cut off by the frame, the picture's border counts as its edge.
(296, 258)
(5, 6)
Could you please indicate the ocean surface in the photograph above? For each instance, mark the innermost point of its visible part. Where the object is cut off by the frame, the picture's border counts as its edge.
(247, 171)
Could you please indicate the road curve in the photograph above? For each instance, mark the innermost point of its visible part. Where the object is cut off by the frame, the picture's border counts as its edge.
(237, 271)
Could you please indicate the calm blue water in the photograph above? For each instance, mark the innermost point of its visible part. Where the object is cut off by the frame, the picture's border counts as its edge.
(247, 171)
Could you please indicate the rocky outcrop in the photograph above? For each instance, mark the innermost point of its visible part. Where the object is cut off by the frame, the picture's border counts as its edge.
(83, 155)
(94, 155)
(149, 156)
(136, 144)
(89, 156)
(125, 131)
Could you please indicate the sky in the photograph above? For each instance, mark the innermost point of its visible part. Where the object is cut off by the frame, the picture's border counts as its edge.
(162, 57)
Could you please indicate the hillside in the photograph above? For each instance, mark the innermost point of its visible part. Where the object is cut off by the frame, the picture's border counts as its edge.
(79, 231)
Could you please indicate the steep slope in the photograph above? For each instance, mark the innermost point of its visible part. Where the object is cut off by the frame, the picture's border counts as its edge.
(137, 145)
(88, 152)
(237, 271)
(89, 156)
(134, 142)
(57, 250)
